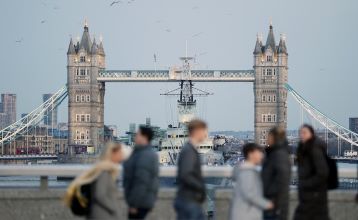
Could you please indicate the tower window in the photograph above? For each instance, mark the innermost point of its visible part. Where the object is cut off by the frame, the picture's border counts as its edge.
(82, 117)
(88, 117)
(83, 72)
(82, 59)
(269, 72)
(274, 98)
(269, 98)
(88, 98)
(77, 119)
(268, 118)
(82, 98)
(77, 98)
(269, 58)
(274, 72)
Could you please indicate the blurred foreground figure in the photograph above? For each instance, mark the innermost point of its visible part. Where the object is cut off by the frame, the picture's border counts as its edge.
(140, 180)
(276, 174)
(313, 173)
(94, 193)
(248, 202)
(191, 186)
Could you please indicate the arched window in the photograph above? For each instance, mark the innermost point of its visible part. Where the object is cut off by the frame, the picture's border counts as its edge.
(269, 58)
(264, 98)
(82, 59)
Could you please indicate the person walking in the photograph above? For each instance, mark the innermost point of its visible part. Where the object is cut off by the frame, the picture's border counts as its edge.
(191, 186)
(276, 174)
(248, 202)
(101, 201)
(313, 172)
(140, 180)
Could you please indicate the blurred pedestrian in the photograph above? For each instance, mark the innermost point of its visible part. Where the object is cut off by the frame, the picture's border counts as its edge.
(276, 174)
(313, 172)
(191, 186)
(248, 202)
(140, 178)
(94, 193)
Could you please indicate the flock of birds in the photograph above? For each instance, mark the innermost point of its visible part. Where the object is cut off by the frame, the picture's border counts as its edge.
(113, 4)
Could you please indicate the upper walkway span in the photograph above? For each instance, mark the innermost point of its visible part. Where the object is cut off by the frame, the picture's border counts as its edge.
(176, 75)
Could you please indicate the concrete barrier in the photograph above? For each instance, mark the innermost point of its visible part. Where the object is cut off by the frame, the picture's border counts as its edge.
(18, 204)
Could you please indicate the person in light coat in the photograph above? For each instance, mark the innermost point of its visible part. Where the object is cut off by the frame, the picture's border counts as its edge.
(102, 177)
(248, 202)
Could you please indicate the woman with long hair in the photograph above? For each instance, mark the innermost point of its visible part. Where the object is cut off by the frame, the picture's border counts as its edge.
(102, 178)
(313, 173)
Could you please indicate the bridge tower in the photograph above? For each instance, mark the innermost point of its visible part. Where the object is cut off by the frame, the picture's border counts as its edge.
(85, 94)
(271, 70)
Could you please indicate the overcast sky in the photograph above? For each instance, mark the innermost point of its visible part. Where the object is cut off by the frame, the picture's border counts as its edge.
(321, 40)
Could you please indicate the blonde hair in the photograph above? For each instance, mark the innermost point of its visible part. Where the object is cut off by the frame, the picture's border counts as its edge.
(111, 147)
(104, 164)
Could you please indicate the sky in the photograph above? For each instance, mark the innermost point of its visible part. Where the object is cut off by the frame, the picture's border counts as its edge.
(321, 41)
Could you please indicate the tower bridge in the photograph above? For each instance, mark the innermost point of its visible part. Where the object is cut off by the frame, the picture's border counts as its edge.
(87, 76)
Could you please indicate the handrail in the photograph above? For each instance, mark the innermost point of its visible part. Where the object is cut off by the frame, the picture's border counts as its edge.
(165, 171)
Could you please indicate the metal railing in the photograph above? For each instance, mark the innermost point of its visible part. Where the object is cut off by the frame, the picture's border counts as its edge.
(45, 171)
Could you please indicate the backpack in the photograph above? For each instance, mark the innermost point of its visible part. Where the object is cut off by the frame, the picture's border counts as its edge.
(76, 206)
(332, 181)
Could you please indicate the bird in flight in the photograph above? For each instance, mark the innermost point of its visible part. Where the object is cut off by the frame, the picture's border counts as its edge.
(43, 21)
(195, 35)
(19, 41)
(168, 30)
(115, 2)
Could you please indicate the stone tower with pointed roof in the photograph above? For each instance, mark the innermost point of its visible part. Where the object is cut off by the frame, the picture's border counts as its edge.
(270, 66)
(85, 95)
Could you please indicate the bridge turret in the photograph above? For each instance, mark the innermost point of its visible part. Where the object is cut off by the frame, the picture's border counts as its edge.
(85, 95)
(71, 48)
(270, 41)
(270, 68)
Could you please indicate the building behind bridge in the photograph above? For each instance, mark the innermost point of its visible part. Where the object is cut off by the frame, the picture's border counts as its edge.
(7, 109)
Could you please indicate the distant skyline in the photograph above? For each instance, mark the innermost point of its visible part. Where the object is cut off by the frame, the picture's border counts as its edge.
(321, 42)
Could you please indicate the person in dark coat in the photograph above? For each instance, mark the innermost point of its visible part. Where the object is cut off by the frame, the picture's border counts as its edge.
(313, 172)
(140, 178)
(191, 186)
(276, 174)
